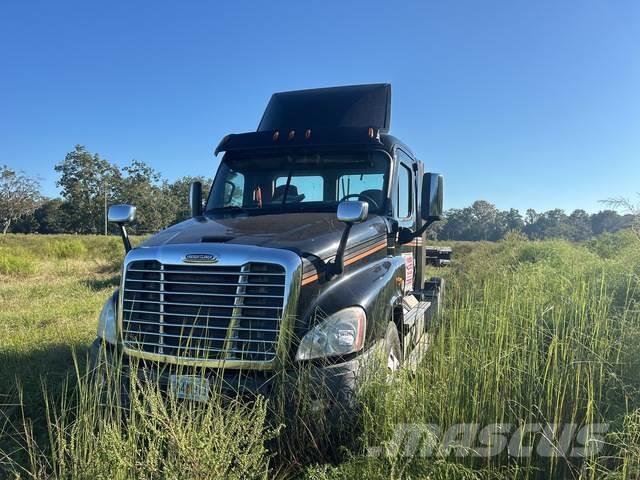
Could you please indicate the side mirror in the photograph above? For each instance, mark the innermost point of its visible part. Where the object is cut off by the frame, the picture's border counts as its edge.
(353, 212)
(195, 199)
(122, 214)
(349, 213)
(432, 192)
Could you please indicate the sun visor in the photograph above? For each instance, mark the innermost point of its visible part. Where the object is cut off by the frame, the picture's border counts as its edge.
(336, 107)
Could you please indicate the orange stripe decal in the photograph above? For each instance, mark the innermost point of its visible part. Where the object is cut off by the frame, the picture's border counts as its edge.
(376, 248)
(310, 279)
(365, 253)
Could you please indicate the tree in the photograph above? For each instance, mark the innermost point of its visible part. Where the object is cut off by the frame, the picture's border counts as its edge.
(481, 221)
(631, 210)
(606, 221)
(178, 193)
(19, 197)
(49, 217)
(144, 187)
(580, 224)
(85, 180)
(512, 219)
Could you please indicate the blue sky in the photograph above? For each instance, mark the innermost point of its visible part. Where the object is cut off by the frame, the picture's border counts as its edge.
(522, 103)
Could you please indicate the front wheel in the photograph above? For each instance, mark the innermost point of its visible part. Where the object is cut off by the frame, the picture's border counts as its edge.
(392, 349)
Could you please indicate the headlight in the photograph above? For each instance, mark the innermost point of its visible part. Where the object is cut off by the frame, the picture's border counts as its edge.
(339, 334)
(107, 320)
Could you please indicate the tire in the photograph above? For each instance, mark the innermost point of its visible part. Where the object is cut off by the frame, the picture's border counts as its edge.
(105, 375)
(392, 349)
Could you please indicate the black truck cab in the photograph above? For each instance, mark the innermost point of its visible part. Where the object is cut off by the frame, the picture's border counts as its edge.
(308, 250)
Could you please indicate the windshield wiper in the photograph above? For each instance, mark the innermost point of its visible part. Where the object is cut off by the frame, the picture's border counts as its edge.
(228, 208)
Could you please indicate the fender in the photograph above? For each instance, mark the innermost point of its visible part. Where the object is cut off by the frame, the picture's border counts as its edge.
(376, 287)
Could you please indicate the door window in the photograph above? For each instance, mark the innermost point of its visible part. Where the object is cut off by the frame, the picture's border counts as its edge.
(404, 198)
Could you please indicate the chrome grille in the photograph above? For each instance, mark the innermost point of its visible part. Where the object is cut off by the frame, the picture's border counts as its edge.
(197, 312)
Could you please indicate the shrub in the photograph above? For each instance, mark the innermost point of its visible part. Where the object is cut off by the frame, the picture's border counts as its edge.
(16, 265)
(67, 248)
(613, 245)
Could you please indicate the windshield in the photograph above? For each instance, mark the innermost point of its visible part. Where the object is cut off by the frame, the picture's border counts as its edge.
(293, 183)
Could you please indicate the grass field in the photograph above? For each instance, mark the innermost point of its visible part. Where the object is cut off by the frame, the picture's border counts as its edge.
(544, 333)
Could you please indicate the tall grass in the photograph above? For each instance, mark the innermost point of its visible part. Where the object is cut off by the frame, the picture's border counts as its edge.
(543, 333)
(532, 333)
(94, 432)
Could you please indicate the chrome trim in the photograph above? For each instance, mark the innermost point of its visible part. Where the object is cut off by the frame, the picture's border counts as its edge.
(206, 327)
(228, 255)
(353, 211)
(203, 294)
(205, 284)
(201, 273)
(206, 305)
(200, 258)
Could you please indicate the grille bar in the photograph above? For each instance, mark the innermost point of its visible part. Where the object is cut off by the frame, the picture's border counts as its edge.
(172, 292)
(205, 317)
(201, 305)
(206, 284)
(210, 272)
(196, 327)
(187, 347)
(191, 338)
(154, 315)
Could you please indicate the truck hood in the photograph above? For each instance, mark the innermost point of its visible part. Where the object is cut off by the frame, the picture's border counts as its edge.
(315, 233)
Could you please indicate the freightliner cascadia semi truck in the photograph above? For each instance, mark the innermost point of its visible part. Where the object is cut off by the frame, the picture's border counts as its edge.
(306, 254)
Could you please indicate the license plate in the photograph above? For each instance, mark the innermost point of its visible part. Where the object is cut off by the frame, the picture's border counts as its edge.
(190, 387)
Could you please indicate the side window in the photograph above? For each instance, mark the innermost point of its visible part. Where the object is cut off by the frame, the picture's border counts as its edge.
(308, 188)
(404, 192)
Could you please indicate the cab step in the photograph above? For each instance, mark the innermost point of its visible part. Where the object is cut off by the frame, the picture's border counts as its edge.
(413, 309)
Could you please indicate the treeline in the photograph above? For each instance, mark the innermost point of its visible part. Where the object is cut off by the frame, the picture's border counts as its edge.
(89, 182)
(483, 221)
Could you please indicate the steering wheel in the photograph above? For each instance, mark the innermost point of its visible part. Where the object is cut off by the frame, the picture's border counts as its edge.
(362, 195)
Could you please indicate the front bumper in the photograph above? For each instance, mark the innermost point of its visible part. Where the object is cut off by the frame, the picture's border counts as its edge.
(324, 386)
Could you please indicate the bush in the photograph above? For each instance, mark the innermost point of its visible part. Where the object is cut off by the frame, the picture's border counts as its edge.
(613, 245)
(68, 248)
(16, 265)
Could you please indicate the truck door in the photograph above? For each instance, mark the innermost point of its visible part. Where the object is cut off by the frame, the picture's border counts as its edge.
(405, 213)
